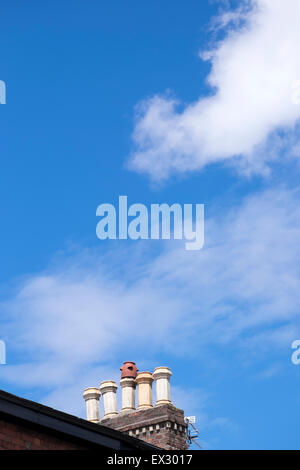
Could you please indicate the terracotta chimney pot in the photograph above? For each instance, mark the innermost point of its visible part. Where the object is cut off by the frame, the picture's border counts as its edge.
(129, 370)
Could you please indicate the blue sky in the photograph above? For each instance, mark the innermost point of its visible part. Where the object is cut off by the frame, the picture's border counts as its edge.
(106, 99)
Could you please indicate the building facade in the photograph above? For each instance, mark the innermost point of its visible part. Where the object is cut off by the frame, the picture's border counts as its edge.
(26, 425)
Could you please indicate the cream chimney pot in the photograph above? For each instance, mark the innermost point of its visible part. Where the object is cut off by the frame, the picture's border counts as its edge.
(144, 381)
(108, 390)
(128, 385)
(92, 396)
(162, 376)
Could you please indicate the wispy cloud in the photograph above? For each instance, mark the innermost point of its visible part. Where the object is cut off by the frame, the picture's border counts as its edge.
(252, 73)
(242, 289)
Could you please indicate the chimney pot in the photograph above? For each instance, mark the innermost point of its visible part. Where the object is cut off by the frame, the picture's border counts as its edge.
(128, 385)
(108, 390)
(144, 381)
(128, 369)
(162, 376)
(92, 396)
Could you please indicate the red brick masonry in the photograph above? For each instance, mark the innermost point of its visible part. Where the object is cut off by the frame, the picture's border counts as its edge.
(18, 437)
(25, 424)
(162, 426)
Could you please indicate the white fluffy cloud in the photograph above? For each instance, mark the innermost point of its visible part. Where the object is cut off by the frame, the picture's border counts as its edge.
(253, 70)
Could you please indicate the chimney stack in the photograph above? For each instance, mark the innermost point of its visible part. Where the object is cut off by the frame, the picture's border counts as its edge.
(163, 425)
(108, 390)
(92, 396)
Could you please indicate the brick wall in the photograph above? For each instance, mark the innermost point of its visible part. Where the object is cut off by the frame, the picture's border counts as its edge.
(162, 426)
(14, 436)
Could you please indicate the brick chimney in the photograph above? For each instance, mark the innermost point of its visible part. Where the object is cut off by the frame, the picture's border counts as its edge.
(162, 425)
